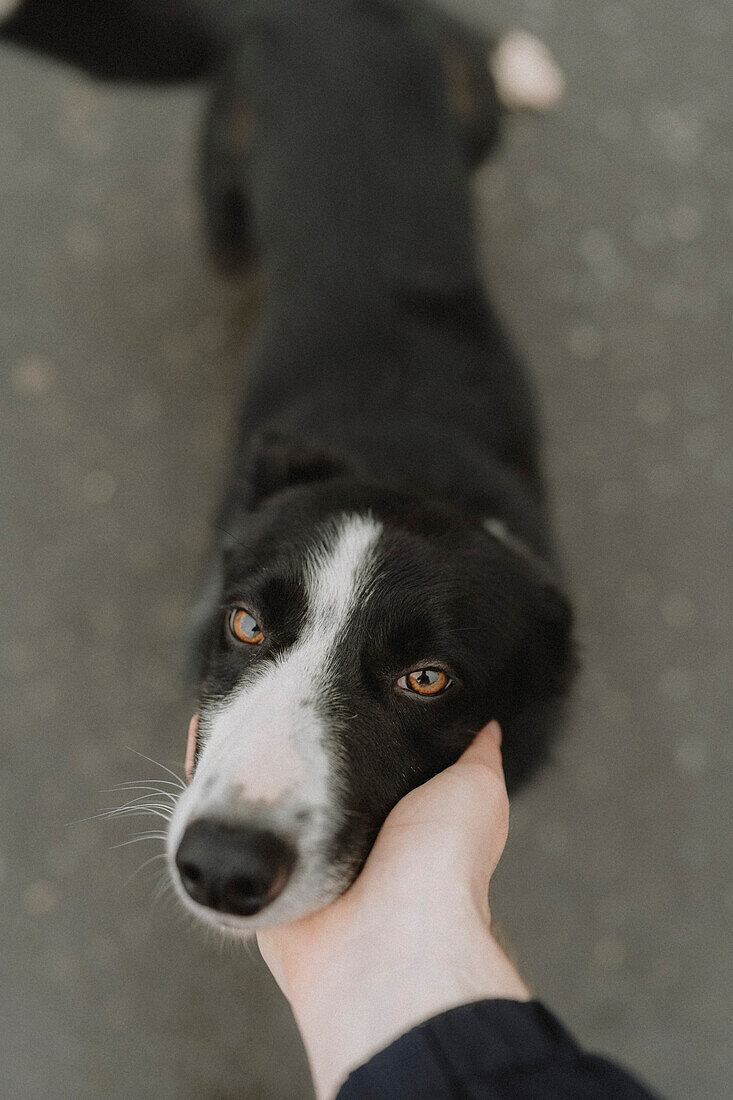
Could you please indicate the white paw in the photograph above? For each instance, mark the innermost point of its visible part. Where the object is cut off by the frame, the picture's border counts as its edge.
(526, 74)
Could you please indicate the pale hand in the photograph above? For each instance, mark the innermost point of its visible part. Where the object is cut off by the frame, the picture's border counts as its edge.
(412, 936)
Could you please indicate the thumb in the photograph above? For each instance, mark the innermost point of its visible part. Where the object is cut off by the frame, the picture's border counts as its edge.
(480, 775)
(484, 751)
(486, 745)
(463, 788)
(456, 823)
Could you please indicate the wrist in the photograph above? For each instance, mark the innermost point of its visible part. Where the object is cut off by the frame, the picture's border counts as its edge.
(351, 1009)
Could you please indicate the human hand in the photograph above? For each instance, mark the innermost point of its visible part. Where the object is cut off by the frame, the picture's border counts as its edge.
(412, 936)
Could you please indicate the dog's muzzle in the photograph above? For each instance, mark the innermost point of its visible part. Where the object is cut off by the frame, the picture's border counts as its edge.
(236, 869)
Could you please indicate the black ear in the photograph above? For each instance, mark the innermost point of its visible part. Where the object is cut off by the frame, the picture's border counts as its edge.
(545, 658)
(279, 461)
(540, 628)
(201, 631)
(539, 654)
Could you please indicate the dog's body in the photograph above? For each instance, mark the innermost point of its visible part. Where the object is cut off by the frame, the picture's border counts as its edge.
(380, 585)
(386, 505)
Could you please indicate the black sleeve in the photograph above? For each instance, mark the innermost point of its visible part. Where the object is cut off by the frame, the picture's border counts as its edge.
(492, 1050)
(137, 40)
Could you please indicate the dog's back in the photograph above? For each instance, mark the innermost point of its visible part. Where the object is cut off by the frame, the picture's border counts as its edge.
(377, 339)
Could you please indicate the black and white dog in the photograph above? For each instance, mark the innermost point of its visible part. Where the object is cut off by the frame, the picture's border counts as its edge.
(381, 584)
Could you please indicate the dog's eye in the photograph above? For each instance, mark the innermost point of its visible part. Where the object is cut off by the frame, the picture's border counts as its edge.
(425, 681)
(244, 627)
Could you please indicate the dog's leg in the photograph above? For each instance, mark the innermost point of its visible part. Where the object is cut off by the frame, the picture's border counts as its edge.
(487, 75)
(484, 78)
(525, 73)
(157, 41)
(229, 133)
(471, 90)
(136, 40)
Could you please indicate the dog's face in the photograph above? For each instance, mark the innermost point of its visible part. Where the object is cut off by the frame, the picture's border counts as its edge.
(359, 641)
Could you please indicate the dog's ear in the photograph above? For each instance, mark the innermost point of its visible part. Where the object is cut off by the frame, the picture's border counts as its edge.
(200, 633)
(545, 658)
(538, 620)
(539, 662)
(279, 461)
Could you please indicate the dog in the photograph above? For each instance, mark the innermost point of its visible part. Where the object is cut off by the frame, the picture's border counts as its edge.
(382, 582)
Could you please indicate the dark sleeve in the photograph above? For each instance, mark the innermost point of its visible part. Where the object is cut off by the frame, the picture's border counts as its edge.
(492, 1050)
(137, 40)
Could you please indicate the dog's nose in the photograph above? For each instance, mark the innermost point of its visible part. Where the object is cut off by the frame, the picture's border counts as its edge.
(233, 868)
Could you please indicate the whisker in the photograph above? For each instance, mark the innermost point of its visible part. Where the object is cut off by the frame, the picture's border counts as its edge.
(223, 531)
(151, 794)
(143, 865)
(149, 779)
(164, 887)
(158, 764)
(156, 781)
(110, 811)
(138, 799)
(249, 947)
(141, 811)
(135, 807)
(122, 787)
(152, 835)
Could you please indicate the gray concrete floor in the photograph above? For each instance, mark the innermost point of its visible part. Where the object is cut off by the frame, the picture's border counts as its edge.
(607, 233)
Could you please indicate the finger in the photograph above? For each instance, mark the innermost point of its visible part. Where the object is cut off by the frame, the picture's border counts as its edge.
(485, 749)
(481, 775)
(468, 784)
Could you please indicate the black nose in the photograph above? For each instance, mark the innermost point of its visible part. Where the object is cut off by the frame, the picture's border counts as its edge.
(233, 868)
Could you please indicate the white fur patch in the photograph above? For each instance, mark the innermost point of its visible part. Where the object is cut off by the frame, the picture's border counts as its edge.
(526, 74)
(265, 755)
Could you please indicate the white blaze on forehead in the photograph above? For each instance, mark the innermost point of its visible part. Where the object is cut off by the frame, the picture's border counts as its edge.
(267, 739)
(338, 574)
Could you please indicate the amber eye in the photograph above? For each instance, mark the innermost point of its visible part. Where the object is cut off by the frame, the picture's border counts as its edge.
(244, 626)
(425, 681)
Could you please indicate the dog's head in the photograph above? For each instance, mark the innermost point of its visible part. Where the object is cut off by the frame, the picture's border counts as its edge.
(355, 641)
